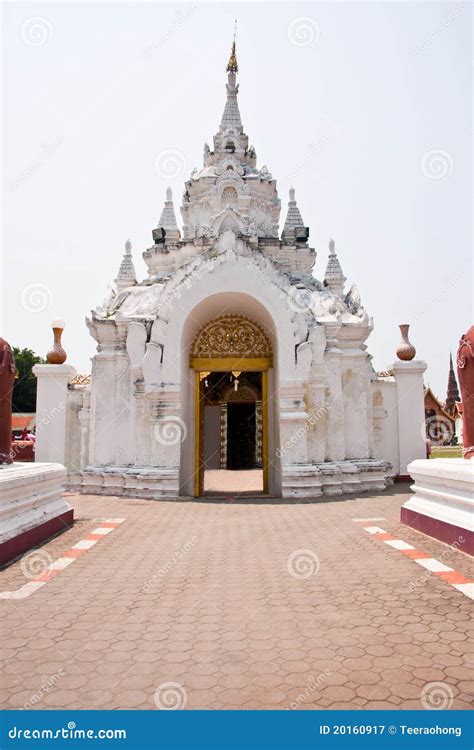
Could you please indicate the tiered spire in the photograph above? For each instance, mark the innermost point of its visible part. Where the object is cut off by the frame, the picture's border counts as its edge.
(167, 220)
(334, 279)
(126, 275)
(294, 228)
(231, 116)
(453, 392)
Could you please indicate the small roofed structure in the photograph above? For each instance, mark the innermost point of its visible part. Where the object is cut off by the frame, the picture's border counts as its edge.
(440, 424)
(21, 422)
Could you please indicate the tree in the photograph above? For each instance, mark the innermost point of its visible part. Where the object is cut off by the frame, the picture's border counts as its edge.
(24, 390)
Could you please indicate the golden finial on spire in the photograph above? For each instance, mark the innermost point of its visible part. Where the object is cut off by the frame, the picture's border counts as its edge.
(232, 66)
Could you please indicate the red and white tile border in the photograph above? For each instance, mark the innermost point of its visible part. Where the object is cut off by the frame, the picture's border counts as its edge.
(449, 575)
(67, 558)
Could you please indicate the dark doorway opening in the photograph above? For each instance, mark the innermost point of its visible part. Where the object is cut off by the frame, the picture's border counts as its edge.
(241, 440)
(232, 429)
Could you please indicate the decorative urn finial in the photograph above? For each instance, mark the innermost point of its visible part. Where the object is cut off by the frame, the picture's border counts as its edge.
(57, 355)
(405, 351)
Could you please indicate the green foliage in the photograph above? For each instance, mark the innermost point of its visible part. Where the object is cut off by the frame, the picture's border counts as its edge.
(24, 390)
(446, 451)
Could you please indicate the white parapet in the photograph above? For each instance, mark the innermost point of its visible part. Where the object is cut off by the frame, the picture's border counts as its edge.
(51, 411)
(443, 503)
(32, 506)
(410, 412)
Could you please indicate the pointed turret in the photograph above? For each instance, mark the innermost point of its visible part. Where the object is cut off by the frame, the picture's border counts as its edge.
(452, 394)
(229, 177)
(294, 228)
(232, 66)
(126, 275)
(231, 117)
(167, 226)
(334, 279)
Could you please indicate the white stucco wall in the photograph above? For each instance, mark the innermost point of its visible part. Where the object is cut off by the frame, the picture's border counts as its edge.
(389, 423)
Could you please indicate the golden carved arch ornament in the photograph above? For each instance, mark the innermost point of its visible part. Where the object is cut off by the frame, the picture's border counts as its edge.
(224, 344)
(232, 342)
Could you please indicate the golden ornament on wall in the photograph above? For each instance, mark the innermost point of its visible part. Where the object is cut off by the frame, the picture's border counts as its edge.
(231, 336)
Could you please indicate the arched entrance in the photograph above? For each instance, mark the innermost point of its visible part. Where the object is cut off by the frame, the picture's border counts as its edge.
(229, 353)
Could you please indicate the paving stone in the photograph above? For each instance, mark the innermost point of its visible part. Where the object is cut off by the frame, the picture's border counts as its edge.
(227, 623)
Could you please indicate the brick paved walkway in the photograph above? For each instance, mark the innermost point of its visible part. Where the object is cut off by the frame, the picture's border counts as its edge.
(243, 605)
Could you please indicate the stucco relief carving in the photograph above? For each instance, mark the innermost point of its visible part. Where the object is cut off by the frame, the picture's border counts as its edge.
(231, 336)
(303, 360)
(136, 340)
(151, 365)
(317, 337)
(229, 179)
(231, 162)
(226, 219)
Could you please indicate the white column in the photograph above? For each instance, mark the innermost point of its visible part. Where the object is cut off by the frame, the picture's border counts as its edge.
(335, 432)
(102, 436)
(51, 411)
(293, 425)
(318, 411)
(123, 425)
(354, 392)
(168, 429)
(410, 412)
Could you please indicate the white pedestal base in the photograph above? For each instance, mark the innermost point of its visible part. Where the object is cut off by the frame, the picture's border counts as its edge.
(298, 480)
(32, 507)
(443, 503)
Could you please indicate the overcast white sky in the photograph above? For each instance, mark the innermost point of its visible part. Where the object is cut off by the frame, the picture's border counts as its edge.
(363, 107)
